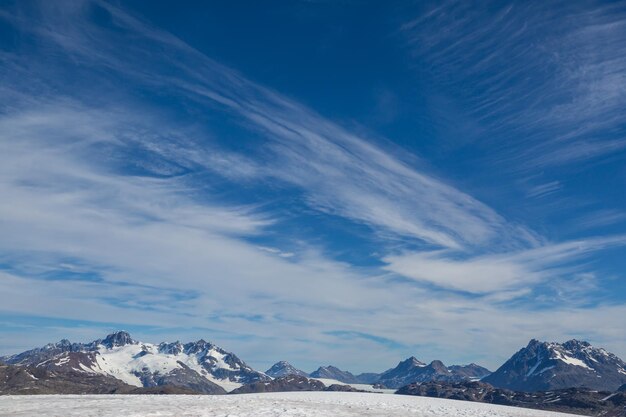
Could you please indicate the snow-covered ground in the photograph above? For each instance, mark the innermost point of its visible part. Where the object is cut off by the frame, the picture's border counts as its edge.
(287, 404)
(364, 387)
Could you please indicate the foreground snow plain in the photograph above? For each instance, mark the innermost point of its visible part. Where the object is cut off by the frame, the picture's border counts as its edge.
(287, 404)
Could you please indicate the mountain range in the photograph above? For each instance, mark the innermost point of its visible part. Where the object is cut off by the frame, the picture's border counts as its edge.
(199, 365)
(118, 363)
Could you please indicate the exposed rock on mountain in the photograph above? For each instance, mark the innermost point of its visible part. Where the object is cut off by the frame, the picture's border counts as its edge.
(292, 383)
(286, 383)
(572, 400)
(543, 366)
(283, 368)
(331, 372)
(412, 370)
(199, 366)
(472, 371)
(31, 380)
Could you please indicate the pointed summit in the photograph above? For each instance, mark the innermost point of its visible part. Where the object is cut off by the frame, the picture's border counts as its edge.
(332, 372)
(410, 363)
(284, 368)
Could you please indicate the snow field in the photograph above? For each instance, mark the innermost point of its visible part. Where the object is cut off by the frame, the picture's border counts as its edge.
(284, 404)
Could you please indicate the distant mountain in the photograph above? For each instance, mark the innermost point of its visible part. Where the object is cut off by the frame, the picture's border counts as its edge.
(571, 400)
(285, 383)
(283, 368)
(412, 370)
(472, 371)
(543, 366)
(331, 372)
(291, 383)
(200, 366)
(367, 378)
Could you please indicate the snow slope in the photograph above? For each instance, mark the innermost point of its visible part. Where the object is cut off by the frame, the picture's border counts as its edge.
(302, 404)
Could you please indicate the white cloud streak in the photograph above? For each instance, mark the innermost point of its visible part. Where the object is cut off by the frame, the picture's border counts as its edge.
(499, 272)
(546, 81)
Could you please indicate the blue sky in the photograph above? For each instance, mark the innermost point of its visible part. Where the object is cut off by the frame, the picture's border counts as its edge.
(319, 182)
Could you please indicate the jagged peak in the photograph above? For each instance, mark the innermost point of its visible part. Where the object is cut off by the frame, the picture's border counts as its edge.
(119, 338)
(534, 342)
(281, 365)
(574, 343)
(413, 361)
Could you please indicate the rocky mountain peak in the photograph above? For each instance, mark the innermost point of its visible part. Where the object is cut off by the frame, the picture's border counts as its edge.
(409, 363)
(332, 372)
(175, 348)
(197, 347)
(549, 365)
(283, 368)
(438, 366)
(120, 338)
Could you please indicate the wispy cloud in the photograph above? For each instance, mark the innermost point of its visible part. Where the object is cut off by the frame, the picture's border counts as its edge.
(339, 172)
(542, 190)
(545, 81)
(501, 272)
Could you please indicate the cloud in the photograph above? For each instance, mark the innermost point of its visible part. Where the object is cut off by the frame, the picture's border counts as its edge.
(545, 83)
(340, 173)
(543, 190)
(498, 272)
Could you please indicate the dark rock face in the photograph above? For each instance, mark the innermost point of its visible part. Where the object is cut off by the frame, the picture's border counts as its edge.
(283, 368)
(287, 383)
(183, 377)
(292, 383)
(572, 400)
(29, 380)
(622, 388)
(412, 370)
(331, 372)
(118, 339)
(342, 388)
(543, 366)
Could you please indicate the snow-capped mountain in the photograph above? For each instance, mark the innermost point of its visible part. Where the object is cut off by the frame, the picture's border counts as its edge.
(200, 365)
(412, 370)
(283, 368)
(546, 366)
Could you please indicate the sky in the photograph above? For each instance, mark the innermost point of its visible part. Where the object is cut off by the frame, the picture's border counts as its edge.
(322, 182)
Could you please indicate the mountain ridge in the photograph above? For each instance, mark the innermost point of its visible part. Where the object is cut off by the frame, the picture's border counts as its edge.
(542, 366)
(200, 365)
(204, 367)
